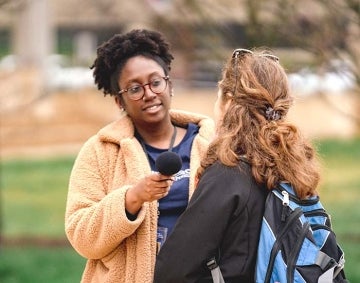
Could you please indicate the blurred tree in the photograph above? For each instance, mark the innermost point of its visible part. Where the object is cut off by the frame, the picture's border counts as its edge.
(11, 5)
(328, 29)
(201, 32)
(4, 2)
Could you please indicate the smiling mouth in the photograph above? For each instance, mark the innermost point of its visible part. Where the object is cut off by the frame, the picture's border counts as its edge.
(152, 107)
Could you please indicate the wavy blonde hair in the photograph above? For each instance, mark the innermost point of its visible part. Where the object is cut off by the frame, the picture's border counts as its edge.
(275, 149)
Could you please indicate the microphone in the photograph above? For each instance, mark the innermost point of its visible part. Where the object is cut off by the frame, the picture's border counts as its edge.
(168, 163)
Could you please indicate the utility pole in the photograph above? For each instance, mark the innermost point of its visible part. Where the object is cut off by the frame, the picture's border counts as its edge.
(33, 34)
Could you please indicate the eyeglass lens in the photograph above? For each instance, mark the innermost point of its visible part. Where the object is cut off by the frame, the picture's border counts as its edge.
(156, 85)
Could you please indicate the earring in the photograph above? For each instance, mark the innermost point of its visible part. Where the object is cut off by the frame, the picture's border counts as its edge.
(119, 104)
(172, 93)
(121, 109)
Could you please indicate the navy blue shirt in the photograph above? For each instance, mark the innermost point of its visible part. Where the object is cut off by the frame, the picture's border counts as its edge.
(171, 206)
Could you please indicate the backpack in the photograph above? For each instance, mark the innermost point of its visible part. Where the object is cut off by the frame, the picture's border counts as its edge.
(296, 241)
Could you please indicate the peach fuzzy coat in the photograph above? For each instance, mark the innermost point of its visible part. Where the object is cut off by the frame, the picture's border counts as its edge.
(119, 250)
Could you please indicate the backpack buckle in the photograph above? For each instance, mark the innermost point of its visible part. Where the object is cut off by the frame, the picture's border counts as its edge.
(211, 264)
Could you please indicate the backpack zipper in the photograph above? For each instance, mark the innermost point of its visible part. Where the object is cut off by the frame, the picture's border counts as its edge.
(275, 249)
(305, 202)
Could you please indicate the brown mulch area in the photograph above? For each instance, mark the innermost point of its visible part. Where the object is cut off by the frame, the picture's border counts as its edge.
(38, 123)
(34, 241)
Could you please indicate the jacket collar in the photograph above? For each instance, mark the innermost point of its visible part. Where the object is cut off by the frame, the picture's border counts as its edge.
(124, 128)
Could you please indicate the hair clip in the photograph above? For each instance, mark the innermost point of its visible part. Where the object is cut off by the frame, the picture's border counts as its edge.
(271, 114)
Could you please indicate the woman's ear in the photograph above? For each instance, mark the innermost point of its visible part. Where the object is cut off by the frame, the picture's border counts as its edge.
(119, 103)
(171, 88)
(229, 96)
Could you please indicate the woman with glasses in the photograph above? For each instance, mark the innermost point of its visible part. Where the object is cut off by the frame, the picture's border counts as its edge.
(255, 148)
(119, 208)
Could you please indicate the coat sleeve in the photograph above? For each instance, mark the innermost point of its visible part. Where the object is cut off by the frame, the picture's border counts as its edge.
(199, 231)
(95, 220)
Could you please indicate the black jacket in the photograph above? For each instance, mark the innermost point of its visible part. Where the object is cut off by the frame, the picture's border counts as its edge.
(223, 219)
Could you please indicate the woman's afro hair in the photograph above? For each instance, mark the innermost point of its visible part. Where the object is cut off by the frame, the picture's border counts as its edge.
(113, 54)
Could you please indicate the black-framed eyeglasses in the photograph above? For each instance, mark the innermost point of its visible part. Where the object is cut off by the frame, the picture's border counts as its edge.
(137, 91)
(241, 52)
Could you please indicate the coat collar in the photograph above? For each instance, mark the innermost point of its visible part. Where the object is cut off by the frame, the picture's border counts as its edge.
(124, 128)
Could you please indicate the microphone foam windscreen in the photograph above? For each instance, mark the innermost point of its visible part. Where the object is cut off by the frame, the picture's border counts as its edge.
(168, 163)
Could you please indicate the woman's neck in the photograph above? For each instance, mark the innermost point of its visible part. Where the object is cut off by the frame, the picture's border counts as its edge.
(159, 137)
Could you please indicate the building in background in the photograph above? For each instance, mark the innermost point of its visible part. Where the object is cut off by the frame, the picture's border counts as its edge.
(34, 29)
(202, 33)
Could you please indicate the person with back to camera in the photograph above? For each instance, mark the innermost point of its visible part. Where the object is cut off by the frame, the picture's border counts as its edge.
(115, 193)
(255, 148)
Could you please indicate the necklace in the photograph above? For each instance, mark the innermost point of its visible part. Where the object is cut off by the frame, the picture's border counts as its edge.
(171, 145)
(172, 141)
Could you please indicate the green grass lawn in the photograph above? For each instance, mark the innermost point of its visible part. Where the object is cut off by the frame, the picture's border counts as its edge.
(33, 197)
(40, 265)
